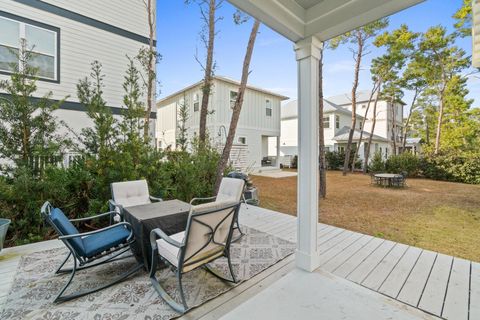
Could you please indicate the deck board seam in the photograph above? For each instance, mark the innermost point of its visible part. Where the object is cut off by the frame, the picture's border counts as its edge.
(340, 243)
(336, 244)
(381, 243)
(446, 288)
(336, 235)
(396, 264)
(348, 258)
(469, 290)
(341, 251)
(378, 263)
(408, 276)
(428, 278)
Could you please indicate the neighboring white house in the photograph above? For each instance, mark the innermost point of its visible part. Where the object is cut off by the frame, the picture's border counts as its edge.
(258, 132)
(337, 122)
(67, 37)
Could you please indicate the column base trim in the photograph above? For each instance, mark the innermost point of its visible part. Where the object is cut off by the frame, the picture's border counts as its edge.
(307, 261)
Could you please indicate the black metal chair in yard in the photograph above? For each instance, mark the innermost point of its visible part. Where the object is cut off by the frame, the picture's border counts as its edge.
(404, 175)
(207, 237)
(373, 179)
(400, 180)
(89, 249)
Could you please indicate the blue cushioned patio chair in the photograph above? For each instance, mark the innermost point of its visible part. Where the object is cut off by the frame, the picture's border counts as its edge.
(207, 237)
(89, 249)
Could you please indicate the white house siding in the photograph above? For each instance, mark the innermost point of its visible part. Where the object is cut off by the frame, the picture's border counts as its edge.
(126, 14)
(289, 132)
(253, 111)
(384, 117)
(253, 124)
(289, 135)
(81, 44)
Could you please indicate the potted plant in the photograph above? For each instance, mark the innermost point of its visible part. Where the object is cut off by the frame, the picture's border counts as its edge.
(4, 223)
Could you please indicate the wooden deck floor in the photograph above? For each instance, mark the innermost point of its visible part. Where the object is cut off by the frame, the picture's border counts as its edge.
(440, 285)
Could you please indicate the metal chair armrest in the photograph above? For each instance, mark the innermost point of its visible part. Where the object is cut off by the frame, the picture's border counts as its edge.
(158, 233)
(73, 236)
(109, 213)
(112, 205)
(202, 199)
(155, 199)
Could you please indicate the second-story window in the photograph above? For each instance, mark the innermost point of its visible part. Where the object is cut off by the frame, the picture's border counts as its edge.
(41, 42)
(268, 107)
(196, 102)
(337, 122)
(233, 98)
(326, 122)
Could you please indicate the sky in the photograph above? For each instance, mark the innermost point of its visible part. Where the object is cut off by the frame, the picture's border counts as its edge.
(273, 65)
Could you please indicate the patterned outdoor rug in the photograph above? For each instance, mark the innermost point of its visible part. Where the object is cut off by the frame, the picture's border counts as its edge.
(35, 286)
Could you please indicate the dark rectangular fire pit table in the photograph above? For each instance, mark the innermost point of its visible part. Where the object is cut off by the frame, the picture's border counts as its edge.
(170, 216)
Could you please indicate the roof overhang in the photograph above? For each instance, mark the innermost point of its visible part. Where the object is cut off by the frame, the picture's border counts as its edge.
(476, 33)
(224, 79)
(325, 19)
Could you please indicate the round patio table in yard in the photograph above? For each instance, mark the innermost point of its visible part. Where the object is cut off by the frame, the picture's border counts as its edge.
(387, 179)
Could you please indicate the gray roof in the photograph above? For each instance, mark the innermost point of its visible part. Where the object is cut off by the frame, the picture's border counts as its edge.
(414, 140)
(342, 135)
(346, 98)
(224, 79)
(290, 109)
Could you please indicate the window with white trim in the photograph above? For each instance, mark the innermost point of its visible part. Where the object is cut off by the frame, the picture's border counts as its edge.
(242, 140)
(40, 41)
(326, 122)
(337, 122)
(268, 107)
(196, 102)
(233, 98)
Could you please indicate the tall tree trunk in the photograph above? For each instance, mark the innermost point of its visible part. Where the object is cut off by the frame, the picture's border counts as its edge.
(238, 106)
(151, 69)
(439, 124)
(322, 190)
(372, 130)
(427, 132)
(394, 126)
(354, 106)
(208, 77)
(357, 150)
(407, 123)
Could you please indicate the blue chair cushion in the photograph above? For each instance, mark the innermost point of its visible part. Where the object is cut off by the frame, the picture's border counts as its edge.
(99, 242)
(66, 228)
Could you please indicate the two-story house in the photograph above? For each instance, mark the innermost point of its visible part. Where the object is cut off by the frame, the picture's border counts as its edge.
(337, 121)
(66, 37)
(258, 132)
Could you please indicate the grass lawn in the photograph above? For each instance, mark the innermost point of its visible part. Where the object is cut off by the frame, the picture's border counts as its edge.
(434, 215)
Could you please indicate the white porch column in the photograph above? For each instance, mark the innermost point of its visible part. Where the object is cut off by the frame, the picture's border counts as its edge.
(307, 54)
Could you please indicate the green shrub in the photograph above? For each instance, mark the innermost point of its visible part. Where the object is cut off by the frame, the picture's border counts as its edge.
(404, 162)
(336, 159)
(377, 164)
(452, 166)
(83, 189)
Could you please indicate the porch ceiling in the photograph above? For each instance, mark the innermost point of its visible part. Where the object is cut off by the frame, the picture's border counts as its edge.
(325, 19)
